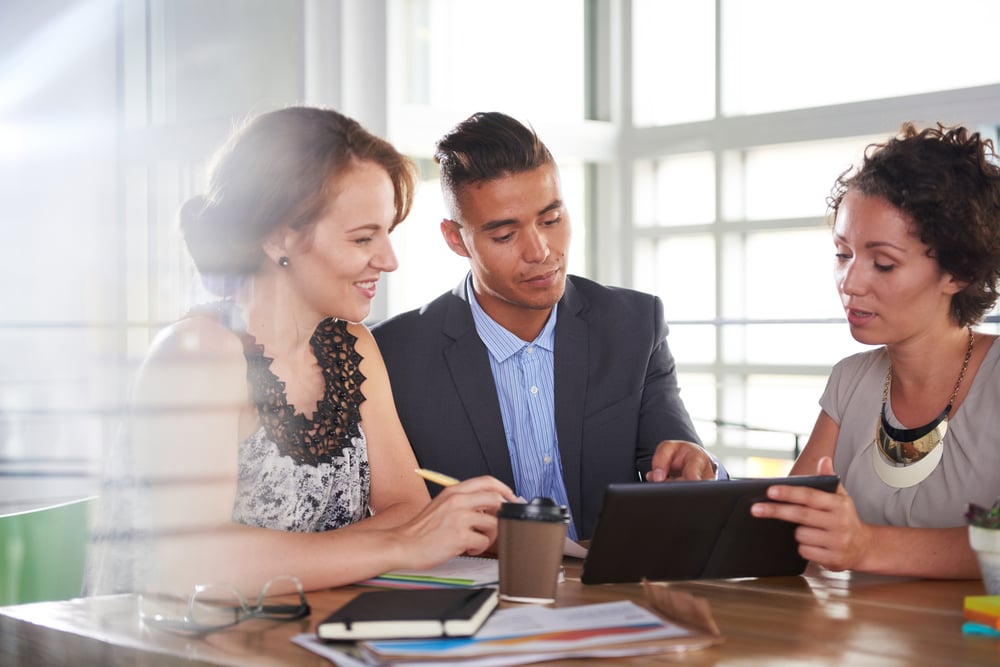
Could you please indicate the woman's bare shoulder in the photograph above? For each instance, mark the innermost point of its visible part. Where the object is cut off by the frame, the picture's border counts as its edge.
(365, 345)
(362, 334)
(196, 338)
(193, 360)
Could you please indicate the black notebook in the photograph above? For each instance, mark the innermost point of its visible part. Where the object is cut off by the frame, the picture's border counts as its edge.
(400, 614)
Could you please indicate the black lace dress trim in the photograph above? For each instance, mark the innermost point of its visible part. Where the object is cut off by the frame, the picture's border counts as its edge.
(338, 414)
(337, 418)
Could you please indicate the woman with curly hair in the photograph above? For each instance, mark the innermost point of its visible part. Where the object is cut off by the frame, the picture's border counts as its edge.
(911, 426)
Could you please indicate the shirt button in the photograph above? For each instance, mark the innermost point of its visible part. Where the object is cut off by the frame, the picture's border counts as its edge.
(531, 348)
(534, 390)
(547, 459)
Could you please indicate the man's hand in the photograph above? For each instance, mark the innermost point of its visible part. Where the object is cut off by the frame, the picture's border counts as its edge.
(680, 459)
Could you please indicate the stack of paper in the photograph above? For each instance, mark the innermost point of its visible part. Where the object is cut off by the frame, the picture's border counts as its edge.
(520, 635)
(982, 613)
(463, 571)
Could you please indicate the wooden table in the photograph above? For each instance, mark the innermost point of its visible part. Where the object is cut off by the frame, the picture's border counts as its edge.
(821, 618)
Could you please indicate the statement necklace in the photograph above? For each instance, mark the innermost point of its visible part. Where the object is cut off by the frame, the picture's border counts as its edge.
(904, 457)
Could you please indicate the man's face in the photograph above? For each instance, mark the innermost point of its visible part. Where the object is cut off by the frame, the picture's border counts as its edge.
(515, 231)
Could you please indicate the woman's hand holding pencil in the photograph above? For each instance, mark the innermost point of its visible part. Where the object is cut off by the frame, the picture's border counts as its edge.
(460, 519)
(438, 478)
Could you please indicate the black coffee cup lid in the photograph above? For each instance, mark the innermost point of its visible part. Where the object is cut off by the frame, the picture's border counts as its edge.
(539, 509)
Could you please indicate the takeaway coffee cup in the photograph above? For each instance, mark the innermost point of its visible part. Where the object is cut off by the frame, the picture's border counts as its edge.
(530, 548)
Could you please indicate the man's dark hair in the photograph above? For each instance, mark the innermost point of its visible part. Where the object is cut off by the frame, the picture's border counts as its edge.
(486, 146)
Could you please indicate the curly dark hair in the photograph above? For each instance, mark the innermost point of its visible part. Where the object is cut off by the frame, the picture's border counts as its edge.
(947, 181)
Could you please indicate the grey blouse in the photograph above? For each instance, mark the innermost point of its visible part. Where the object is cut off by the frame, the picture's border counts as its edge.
(969, 470)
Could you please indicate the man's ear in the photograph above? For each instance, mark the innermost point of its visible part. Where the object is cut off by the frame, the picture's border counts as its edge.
(452, 233)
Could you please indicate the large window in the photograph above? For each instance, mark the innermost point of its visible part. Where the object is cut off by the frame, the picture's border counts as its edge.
(461, 56)
(787, 54)
(697, 142)
(673, 61)
(728, 178)
(59, 322)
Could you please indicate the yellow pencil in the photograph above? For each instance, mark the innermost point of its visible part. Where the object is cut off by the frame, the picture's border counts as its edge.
(436, 477)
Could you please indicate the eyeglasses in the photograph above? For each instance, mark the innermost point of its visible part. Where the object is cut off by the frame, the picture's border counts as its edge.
(215, 607)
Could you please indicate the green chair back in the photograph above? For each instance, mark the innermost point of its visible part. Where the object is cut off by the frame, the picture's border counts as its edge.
(43, 551)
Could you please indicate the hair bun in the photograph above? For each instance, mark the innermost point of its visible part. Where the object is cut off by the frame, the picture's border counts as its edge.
(209, 235)
(192, 210)
(198, 234)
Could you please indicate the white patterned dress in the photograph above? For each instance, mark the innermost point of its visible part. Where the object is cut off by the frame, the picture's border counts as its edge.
(298, 473)
(295, 473)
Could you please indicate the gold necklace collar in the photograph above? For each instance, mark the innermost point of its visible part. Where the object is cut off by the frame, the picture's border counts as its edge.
(902, 447)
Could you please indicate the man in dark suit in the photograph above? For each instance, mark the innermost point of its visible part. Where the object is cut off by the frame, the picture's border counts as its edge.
(554, 384)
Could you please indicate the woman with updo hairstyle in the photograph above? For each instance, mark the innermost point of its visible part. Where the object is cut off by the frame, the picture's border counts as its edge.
(263, 424)
(911, 425)
(277, 172)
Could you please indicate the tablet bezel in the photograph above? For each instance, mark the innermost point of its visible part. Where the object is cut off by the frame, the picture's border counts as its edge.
(684, 530)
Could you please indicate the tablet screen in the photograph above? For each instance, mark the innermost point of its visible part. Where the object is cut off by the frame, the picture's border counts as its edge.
(692, 530)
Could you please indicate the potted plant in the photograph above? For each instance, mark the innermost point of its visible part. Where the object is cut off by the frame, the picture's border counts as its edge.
(984, 536)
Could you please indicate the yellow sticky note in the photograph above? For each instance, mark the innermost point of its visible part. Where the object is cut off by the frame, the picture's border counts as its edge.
(984, 609)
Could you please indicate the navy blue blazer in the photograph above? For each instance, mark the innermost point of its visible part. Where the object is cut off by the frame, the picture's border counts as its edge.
(616, 392)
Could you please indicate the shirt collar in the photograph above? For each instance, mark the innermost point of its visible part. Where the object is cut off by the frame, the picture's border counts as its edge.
(500, 342)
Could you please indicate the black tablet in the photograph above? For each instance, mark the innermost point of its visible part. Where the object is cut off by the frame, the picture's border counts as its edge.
(692, 530)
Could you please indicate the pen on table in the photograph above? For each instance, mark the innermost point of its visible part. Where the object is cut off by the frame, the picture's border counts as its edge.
(436, 477)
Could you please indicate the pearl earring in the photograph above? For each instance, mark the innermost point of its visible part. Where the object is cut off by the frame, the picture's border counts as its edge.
(283, 261)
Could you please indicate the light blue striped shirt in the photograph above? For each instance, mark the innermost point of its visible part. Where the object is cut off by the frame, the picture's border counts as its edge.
(523, 374)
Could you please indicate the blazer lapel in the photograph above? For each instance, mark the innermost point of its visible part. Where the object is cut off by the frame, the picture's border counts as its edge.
(469, 365)
(570, 369)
